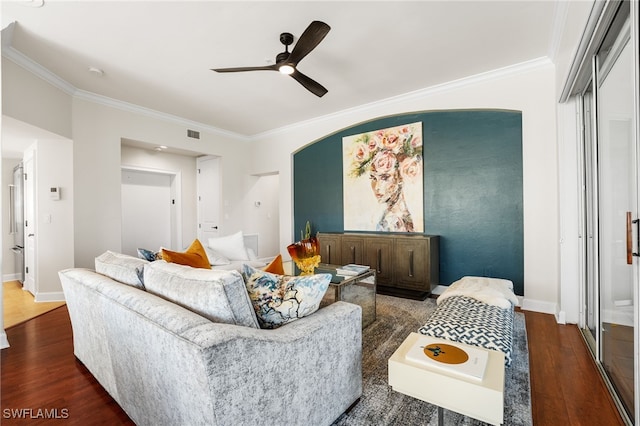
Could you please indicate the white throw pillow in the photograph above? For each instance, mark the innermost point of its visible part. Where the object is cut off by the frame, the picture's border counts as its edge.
(215, 258)
(251, 254)
(232, 246)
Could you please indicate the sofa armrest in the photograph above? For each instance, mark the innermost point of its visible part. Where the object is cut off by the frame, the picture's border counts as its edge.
(306, 372)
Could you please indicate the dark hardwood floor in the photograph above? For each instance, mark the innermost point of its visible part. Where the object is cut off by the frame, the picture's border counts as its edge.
(566, 388)
(40, 372)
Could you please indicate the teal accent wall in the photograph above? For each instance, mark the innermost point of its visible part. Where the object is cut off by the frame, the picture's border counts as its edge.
(472, 189)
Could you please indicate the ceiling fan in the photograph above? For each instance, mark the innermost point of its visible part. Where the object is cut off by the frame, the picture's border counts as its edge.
(287, 62)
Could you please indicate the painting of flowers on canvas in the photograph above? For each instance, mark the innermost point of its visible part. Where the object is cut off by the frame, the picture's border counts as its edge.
(382, 180)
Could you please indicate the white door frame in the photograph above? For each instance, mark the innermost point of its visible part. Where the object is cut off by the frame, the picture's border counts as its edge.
(31, 228)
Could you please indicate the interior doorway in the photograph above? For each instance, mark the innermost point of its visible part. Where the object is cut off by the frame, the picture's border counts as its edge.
(150, 202)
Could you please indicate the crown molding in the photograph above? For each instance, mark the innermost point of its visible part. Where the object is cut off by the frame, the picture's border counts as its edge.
(496, 74)
(30, 65)
(14, 55)
(19, 58)
(158, 115)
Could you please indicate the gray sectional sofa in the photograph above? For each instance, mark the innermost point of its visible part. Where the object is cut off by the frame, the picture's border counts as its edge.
(179, 348)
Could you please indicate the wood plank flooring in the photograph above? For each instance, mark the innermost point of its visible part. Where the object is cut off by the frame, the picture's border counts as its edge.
(566, 388)
(39, 371)
(19, 305)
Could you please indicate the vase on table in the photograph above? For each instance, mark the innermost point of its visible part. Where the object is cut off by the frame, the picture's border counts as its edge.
(305, 254)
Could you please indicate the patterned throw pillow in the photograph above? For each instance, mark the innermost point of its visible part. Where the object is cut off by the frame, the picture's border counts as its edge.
(149, 255)
(279, 299)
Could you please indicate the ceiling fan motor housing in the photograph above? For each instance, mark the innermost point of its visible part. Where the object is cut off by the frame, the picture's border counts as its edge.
(286, 38)
(282, 57)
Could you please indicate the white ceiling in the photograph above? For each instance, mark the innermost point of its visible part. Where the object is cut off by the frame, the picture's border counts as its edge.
(158, 54)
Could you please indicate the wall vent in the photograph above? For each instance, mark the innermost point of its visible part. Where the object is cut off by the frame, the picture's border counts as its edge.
(193, 134)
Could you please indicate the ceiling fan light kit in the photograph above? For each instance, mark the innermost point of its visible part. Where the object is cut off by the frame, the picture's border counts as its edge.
(286, 63)
(286, 69)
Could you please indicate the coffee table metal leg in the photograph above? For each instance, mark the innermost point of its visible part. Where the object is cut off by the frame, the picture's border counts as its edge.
(440, 416)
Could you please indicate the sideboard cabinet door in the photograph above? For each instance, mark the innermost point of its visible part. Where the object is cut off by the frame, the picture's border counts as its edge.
(330, 248)
(410, 260)
(352, 249)
(378, 255)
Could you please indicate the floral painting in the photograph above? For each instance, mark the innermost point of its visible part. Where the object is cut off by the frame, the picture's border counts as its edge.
(383, 180)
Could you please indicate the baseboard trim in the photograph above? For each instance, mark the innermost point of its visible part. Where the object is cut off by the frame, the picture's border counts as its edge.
(52, 296)
(539, 306)
(439, 290)
(10, 277)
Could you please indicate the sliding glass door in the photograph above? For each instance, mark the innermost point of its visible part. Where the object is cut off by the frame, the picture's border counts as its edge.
(610, 198)
(617, 211)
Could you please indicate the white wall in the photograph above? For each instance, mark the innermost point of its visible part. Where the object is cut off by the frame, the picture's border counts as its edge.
(529, 88)
(55, 219)
(97, 129)
(28, 98)
(264, 219)
(97, 133)
(182, 164)
(146, 211)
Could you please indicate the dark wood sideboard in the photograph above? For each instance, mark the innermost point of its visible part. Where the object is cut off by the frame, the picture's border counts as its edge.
(407, 265)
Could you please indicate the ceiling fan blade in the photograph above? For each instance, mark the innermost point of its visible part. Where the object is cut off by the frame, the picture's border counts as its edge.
(241, 69)
(310, 84)
(310, 38)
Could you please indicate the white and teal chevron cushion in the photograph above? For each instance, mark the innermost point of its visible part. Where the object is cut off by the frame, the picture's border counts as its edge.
(279, 299)
(466, 320)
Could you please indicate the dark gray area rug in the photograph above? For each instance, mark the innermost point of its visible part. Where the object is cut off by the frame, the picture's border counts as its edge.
(380, 405)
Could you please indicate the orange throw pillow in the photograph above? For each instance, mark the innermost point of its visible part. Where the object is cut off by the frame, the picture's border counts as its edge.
(195, 256)
(275, 267)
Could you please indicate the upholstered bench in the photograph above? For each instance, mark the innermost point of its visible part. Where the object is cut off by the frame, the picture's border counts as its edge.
(477, 311)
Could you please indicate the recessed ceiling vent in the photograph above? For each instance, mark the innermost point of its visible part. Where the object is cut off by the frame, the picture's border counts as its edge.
(193, 134)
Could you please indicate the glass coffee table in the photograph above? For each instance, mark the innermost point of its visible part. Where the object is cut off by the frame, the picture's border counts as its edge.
(358, 289)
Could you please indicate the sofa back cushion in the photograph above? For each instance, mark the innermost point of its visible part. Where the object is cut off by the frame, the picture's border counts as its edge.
(121, 267)
(220, 296)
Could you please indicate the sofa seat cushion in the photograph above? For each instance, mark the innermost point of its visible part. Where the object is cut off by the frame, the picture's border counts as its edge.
(219, 296)
(122, 268)
(280, 299)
